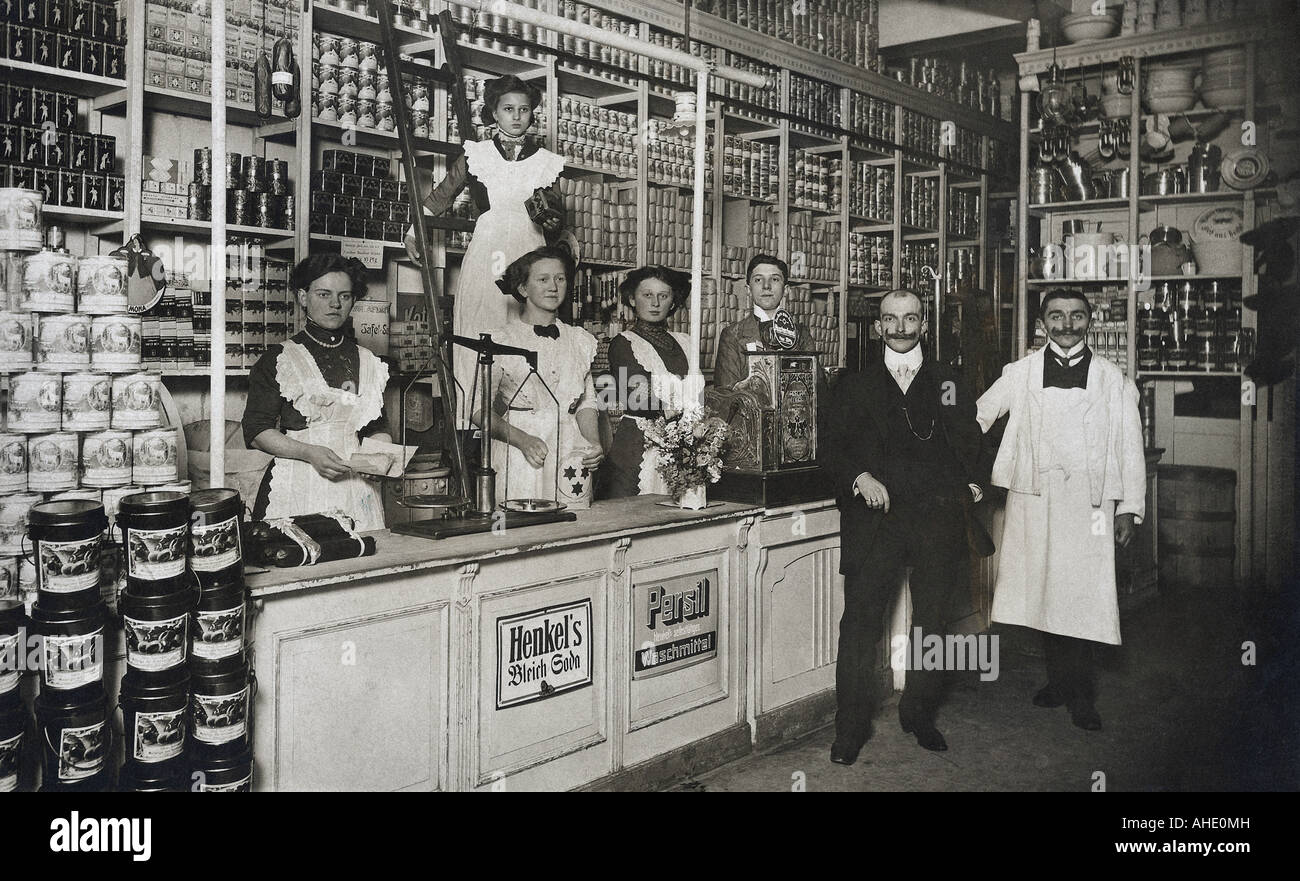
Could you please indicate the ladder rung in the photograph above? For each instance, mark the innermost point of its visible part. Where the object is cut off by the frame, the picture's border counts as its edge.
(425, 71)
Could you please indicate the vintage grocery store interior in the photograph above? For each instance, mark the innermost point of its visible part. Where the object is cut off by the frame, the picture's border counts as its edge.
(364, 602)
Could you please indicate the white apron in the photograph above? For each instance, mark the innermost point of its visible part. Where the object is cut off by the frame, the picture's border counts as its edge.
(1056, 565)
(334, 417)
(502, 234)
(565, 366)
(668, 388)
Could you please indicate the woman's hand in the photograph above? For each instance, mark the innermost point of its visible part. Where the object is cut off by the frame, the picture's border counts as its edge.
(593, 457)
(534, 450)
(327, 465)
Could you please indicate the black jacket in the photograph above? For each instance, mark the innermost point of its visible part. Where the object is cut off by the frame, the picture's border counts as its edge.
(859, 442)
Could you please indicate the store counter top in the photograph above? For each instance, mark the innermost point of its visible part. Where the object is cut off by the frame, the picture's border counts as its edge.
(396, 554)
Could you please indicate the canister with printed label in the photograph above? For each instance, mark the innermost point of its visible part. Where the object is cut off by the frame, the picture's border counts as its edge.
(137, 401)
(156, 627)
(72, 727)
(15, 341)
(216, 552)
(101, 285)
(217, 625)
(155, 528)
(49, 282)
(35, 402)
(62, 342)
(153, 455)
(219, 704)
(115, 343)
(106, 459)
(65, 541)
(13, 465)
(154, 706)
(87, 399)
(52, 461)
(8, 594)
(112, 501)
(21, 228)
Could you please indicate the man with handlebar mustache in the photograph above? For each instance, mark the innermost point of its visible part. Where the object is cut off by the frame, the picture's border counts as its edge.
(906, 458)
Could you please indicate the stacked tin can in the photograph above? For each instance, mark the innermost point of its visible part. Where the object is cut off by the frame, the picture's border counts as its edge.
(814, 248)
(871, 192)
(1193, 326)
(871, 259)
(921, 202)
(815, 181)
(258, 192)
(598, 137)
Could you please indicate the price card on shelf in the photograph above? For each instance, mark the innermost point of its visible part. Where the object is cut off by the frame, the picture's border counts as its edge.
(369, 251)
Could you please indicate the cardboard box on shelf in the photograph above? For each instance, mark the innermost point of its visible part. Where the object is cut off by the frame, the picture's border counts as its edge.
(370, 322)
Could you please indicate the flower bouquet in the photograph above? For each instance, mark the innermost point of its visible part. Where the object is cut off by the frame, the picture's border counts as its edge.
(690, 453)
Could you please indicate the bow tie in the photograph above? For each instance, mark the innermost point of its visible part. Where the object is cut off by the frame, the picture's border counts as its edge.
(548, 330)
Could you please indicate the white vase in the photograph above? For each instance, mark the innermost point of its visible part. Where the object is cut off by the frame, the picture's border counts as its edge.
(693, 498)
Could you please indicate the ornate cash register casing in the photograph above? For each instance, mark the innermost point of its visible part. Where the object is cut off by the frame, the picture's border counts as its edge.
(771, 453)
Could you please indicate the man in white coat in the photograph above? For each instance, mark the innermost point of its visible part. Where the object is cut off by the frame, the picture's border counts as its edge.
(1072, 462)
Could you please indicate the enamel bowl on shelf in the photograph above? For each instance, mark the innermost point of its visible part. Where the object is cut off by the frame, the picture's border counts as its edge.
(1170, 102)
(1224, 96)
(1086, 27)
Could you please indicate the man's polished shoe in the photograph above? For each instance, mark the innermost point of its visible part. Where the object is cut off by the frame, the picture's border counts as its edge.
(1046, 697)
(926, 734)
(1086, 717)
(843, 754)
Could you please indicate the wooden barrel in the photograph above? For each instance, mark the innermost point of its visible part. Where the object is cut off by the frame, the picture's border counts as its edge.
(1197, 527)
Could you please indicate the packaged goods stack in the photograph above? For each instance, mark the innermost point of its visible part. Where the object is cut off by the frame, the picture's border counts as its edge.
(603, 223)
(606, 55)
(463, 206)
(709, 318)
(733, 260)
(814, 102)
(44, 147)
(921, 202)
(872, 117)
(871, 259)
(259, 311)
(670, 154)
(178, 46)
(846, 30)
(871, 192)
(410, 343)
(956, 82)
(13, 713)
(762, 231)
(259, 192)
(598, 138)
(815, 181)
(83, 37)
(530, 36)
(354, 196)
(811, 312)
(474, 90)
(670, 215)
(921, 133)
(750, 169)
(814, 248)
(768, 99)
(963, 213)
(1187, 325)
(964, 147)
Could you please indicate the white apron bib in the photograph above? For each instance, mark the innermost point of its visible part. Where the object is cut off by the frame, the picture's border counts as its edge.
(334, 417)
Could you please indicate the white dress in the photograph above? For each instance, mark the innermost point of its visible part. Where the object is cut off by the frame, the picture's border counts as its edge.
(334, 417)
(1056, 569)
(502, 234)
(565, 366)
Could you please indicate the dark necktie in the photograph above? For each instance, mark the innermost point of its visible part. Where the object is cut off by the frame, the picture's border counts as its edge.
(550, 330)
(1059, 373)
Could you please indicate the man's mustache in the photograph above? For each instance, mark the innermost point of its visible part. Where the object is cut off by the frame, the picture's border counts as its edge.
(901, 336)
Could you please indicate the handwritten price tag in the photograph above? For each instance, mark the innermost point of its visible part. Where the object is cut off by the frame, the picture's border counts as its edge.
(368, 251)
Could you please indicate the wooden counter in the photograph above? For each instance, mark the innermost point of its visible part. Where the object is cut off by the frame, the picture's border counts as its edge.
(394, 672)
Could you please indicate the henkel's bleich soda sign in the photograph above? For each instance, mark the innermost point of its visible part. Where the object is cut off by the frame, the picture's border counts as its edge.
(675, 623)
(543, 653)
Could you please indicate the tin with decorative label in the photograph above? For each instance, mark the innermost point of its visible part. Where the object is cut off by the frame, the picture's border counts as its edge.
(15, 341)
(52, 461)
(137, 401)
(35, 402)
(49, 279)
(115, 343)
(63, 342)
(87, 400)
(153, 456)
(106, 459)
(101, 285)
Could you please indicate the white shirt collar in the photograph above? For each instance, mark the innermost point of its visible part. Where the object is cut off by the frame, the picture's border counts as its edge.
(764, 316)
(911, 359)
(1071, 356)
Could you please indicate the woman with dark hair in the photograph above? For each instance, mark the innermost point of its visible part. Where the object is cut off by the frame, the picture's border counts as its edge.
(542, 443)
(313, 397)
(647, 364)
(502, 174)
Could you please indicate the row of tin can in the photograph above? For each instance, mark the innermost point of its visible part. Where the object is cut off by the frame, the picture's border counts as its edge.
(244, 207)
(66, 460)
(53, 280)
(69, 342)
(41, 402)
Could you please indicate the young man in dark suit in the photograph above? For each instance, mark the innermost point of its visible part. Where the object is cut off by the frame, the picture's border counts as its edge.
(905, 454)
(766, 277)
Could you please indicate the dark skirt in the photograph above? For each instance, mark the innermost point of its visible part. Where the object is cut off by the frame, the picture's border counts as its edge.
(623, 464)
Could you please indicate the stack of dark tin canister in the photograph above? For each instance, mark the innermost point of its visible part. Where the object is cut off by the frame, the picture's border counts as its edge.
(258, 191)
(68, 621)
